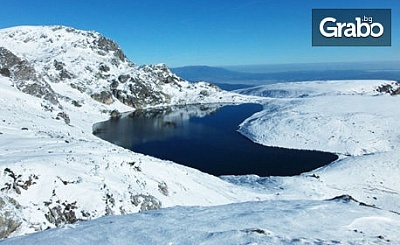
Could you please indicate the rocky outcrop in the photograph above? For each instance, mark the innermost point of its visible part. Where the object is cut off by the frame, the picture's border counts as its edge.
(9, 221)
(12, 66)
(62, 214)
(107, 45)
(103, 97)
(392, 89)
(24, 76)
(145, 202)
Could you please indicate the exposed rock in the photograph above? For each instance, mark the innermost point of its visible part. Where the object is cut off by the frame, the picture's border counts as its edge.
(58, 65)
(24, 72)
(392, 89)
(17, 183)
(63, 115)
(78, 87)
(146, 202)
(8, 225)
(142, 95)
(104, 68)
(348, 199)
(256, 230)
(123, 78)
(204, 93)
(108, 45)
(110, 203)
(9, 221)
(39, 89)
(8, 59)
(24, 77)
(15, 67)
(163, 188)
(62, 214)
(119, 54)
(104, 97)
(76, 103)
(114, 84)
(115, 114)
(343, 198)
(119, 94)
(5, 72)
(64, 74)
(169, 79)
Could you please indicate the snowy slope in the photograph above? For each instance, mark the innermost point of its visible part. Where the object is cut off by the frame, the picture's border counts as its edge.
(340, 221)
(53, 170)
(299, 209)
(347, 117)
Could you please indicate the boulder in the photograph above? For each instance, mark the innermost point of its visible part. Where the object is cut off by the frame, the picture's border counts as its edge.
(103, 97)
(124, 78)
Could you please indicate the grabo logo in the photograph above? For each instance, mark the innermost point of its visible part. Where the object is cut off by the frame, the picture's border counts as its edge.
(362, 28)
(351, 27)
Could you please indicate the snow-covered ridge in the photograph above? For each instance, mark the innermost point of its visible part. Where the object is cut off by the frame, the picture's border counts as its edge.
(316, 88)
(356, 119)
(96, 66)
(345, 117)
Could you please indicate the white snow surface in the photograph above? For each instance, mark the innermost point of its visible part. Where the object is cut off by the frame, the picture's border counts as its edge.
(49, 166)
(68, 164)
(264, 222)
(295, 210)
(345, 117)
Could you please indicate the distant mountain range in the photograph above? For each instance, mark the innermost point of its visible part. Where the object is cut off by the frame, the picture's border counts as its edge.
(213, 74)
(230, 78)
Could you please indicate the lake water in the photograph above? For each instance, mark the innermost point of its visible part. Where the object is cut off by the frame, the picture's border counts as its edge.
(205, 137)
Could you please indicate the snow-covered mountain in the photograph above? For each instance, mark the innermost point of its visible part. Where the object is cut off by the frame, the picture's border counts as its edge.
(94, 65)
(57, 82)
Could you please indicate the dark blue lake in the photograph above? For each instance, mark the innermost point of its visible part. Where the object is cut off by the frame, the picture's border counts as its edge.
(205, 137)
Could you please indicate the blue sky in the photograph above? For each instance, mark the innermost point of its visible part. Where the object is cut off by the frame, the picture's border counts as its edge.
(206, 32)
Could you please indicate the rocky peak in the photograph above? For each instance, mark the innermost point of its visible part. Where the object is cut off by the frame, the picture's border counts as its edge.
(108, 45)
(92, 64)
